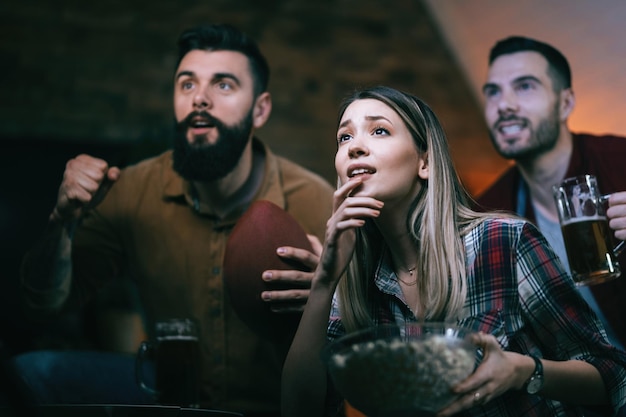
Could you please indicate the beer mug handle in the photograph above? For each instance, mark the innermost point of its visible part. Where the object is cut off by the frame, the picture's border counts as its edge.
(144, 349)
(620, 246)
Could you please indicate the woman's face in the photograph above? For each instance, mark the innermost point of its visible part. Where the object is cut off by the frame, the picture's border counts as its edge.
(375, 145)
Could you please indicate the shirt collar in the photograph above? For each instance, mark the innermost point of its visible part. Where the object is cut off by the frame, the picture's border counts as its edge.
(576, 160)
(385, 277)
(176, 188)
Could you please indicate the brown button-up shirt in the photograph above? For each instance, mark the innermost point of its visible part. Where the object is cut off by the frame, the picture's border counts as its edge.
(148, 230)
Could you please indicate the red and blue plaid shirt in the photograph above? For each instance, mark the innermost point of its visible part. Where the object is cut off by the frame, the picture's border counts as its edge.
(519, 292)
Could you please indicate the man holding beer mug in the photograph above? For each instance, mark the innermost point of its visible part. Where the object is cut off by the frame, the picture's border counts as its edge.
(528, 99)
(165, 222)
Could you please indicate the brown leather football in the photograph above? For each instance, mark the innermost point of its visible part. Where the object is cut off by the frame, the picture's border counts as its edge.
(250, 250)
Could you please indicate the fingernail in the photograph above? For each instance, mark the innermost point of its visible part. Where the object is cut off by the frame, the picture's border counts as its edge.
(266, 296)
(281, 251)
(267, 275)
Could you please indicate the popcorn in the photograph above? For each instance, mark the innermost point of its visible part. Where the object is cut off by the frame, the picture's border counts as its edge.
(386, 375)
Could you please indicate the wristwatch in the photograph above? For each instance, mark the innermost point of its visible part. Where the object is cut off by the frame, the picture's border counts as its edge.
(535, 382)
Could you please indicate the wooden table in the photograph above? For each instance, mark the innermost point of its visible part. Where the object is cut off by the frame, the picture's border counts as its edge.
(110, 410)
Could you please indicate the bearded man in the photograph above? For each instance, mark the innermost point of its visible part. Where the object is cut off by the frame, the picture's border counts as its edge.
(164, 223)
(528, 100)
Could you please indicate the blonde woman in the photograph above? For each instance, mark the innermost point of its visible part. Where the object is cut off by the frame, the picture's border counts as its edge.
(403, 245)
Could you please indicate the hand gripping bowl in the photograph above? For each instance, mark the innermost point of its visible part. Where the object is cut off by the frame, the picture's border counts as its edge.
(391, 371)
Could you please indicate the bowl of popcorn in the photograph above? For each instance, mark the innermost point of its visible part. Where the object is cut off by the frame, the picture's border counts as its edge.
(390, 370)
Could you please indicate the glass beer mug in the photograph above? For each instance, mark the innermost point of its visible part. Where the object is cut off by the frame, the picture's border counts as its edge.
(176, 356)
(586, 232)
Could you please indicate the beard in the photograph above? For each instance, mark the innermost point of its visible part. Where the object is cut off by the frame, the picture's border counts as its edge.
(541, 140)
(199, 161)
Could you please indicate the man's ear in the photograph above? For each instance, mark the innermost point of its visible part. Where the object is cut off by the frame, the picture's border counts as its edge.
(567, 103)
(262, 109)
(422, 170)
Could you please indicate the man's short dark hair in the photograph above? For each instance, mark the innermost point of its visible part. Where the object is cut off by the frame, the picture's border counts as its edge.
(224, 37)
(558, 67)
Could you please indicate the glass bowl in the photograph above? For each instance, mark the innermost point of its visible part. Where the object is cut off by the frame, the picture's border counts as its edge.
(394, 371)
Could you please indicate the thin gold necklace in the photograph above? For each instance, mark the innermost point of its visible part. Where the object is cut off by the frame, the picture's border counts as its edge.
(410, 283)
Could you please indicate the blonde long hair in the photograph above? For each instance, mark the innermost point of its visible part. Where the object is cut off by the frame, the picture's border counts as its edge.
(437, 221)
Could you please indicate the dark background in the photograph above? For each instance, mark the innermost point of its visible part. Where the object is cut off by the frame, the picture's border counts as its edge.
(96, 77)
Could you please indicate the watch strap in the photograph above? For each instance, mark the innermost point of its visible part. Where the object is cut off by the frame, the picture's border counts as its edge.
(536, 375)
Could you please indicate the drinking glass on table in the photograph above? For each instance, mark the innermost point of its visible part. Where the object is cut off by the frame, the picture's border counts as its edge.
(176, 355)
(586, 232)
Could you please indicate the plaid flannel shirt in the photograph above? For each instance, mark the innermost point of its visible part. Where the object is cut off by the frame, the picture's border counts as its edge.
(519, 292)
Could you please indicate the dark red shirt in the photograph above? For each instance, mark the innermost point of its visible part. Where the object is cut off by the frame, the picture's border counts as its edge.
(604, 157)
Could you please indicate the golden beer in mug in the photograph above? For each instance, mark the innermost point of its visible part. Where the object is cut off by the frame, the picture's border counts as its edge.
(586, 232)
(589, 240)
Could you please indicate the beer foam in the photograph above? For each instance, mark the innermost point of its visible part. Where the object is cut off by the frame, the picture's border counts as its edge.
(177, 337)
(584, 219)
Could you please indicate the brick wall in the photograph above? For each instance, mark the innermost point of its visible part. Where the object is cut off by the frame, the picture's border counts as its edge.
(102, 71)
(96, 77)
